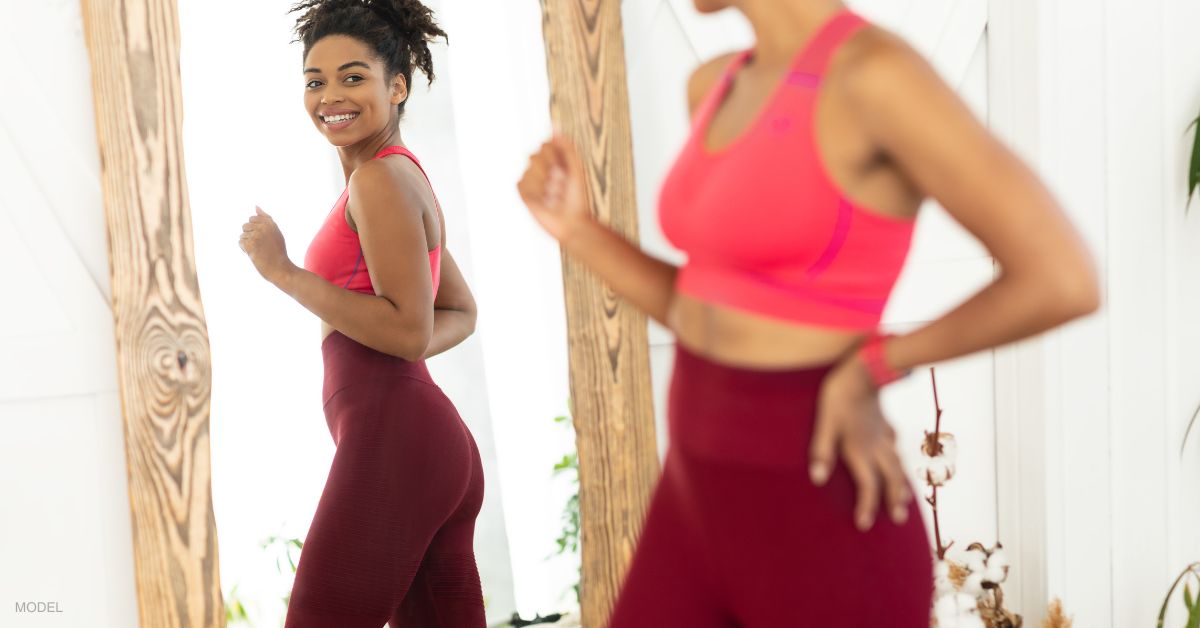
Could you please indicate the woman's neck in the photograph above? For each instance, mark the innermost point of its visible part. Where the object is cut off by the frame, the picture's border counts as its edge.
(361, 152)
(781, 26)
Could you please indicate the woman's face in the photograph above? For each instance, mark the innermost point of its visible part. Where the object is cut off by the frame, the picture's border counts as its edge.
(346, 92)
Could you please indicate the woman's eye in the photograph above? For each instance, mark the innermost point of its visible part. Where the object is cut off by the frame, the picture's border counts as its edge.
(310, 83)
(360, 79)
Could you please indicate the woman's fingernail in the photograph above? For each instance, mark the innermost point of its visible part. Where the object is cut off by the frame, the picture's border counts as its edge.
(864, 522)
(900, 514)
(819, 473)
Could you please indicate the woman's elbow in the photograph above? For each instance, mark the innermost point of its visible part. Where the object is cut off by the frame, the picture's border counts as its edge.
(1078, 291)
(472, 317)
(413, 340)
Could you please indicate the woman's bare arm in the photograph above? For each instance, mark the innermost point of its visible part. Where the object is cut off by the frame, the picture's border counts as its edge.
(643, 280)
(454, 311)
(920, 123)
(397, 320)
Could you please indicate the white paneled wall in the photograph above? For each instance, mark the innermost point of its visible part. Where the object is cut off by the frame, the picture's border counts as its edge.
(1096, 96)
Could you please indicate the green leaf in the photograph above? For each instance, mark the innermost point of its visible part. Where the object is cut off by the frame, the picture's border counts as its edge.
(1187, 596)
(1194, 172)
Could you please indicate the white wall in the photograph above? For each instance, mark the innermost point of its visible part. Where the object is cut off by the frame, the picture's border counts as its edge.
(65, 532)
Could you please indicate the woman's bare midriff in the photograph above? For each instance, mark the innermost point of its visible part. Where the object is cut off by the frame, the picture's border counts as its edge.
(739, 338)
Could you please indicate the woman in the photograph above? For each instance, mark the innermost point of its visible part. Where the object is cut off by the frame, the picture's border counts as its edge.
(794, 199)
(391, 540)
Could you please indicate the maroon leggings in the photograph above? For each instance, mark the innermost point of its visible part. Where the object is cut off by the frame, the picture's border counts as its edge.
(392, 537)
(737, 535)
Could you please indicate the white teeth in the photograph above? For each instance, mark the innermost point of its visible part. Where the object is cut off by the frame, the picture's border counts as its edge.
(341, 118)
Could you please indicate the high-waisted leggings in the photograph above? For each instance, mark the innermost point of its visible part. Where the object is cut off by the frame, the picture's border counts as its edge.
(392, 537)
(736, 534)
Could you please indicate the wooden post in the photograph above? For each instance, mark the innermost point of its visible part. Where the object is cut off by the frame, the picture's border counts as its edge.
(162, 339)
(611, 395)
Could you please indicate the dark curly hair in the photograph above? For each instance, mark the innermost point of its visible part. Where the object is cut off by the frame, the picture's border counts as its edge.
(399, 31)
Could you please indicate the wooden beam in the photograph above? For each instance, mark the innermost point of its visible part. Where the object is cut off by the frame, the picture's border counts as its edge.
(611, 395)
(162, 338)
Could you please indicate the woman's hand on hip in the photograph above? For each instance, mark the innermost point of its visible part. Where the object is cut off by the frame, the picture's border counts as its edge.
(554, 188)
(850, 424)
(263, 242)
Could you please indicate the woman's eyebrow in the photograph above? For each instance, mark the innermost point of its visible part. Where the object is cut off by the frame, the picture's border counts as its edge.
(343, 67)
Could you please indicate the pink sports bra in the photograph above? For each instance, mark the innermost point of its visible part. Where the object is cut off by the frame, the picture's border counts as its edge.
(335, 253)
(764, 226)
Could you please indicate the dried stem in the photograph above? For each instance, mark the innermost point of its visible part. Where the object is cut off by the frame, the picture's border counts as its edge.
(933, 448)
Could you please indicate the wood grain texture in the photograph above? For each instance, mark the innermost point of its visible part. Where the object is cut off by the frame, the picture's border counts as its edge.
(161, 336)
(608, 350)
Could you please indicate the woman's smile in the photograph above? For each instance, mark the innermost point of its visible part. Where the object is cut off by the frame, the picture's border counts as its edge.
(339, 121)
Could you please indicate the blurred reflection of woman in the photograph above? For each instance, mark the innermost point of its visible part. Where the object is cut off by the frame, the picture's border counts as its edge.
(795, 198)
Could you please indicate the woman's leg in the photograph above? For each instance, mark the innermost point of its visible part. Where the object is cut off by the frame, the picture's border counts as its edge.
(400, 471)
(670, 581)
(793, 557)
(446, 592)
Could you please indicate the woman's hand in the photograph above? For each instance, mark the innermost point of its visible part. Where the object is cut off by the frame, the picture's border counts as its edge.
(263, 242)
(555, 189)
(850, 423)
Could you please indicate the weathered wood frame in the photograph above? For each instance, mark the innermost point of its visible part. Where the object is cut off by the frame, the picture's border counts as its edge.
(162, 340)
(608, 347)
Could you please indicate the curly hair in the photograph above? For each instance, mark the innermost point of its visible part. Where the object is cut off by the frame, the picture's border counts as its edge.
(399, 31)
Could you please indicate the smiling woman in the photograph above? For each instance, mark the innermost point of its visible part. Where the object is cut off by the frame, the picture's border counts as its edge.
(392, 538)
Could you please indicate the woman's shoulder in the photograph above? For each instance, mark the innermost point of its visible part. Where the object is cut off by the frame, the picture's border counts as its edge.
(705, 76)
(383, 181)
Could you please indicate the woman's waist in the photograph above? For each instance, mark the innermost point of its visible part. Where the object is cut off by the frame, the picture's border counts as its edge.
(740, 338)
(347, 360)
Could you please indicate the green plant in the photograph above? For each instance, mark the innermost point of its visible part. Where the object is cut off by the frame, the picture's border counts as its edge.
(1194, 168)
(568, 539)
(1191, 602)
(235, 611)
(284, 547)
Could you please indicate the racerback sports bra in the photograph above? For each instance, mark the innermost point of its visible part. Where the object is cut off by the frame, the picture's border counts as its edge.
(335, 253)
(764, 226)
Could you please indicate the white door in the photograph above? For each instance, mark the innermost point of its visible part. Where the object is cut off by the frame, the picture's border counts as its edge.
(664, 41)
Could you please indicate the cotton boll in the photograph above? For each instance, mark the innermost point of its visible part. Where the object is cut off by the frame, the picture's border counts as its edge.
(973, 585)
(941, 578)
(971, 621)
(994, 572)
(975, 560)
(945, 609)
(949, 448)
(998, 557)
(935, 474)
(957, 610)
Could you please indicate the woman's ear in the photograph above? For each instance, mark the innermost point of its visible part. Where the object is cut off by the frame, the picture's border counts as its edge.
(399, 89)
